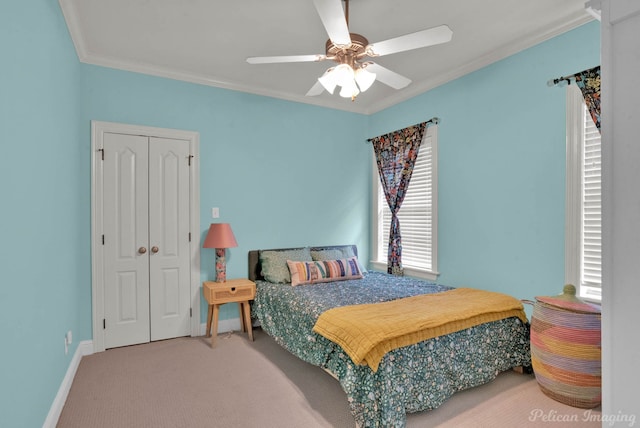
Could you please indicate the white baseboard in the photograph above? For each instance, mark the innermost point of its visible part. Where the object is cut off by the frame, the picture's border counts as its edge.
(232, 324)
(84, 348)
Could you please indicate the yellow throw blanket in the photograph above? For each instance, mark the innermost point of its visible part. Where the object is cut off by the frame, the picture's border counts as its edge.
(367, 332)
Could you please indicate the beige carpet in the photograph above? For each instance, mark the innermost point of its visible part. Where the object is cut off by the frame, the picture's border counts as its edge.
(184, 383)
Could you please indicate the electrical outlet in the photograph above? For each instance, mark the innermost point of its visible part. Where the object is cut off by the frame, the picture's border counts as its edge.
(69, 338)
(215, 212)
(66, 346)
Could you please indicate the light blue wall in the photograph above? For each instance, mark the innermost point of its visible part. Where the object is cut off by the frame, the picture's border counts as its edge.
(502, 166)
(283, 174)
(45, 285)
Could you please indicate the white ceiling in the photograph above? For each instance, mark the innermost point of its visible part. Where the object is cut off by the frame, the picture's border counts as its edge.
(208, 41)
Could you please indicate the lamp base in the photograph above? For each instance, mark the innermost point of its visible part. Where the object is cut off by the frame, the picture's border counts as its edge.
(221, 265)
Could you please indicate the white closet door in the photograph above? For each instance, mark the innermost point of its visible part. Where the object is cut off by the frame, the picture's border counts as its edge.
(146, 228)
(169, 267)
(126, 231)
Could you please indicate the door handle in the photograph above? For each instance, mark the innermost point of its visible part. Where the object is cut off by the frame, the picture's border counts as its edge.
(154, 249)
(142, 250)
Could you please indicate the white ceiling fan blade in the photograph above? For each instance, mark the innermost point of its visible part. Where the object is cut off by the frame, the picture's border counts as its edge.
(388, 77)
(420, 39)
(315, 90)
(334, 21)
(290, 58)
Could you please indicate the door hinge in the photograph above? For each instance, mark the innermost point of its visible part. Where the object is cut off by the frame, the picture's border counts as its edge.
(102, 239)
(190, 312)
(189, 157)
(104, 323)
(189, 236)
(102, 153)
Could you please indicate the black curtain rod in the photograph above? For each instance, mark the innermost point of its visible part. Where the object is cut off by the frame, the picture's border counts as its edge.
(560, 80)
(433, 120)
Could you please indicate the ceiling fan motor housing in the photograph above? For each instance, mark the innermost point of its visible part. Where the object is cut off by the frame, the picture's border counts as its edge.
(348, 54)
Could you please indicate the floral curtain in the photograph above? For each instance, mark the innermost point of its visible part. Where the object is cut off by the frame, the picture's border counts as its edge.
(396, 155)
(589, 83)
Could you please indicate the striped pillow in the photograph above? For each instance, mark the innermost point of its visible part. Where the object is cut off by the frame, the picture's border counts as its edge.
(304, 272)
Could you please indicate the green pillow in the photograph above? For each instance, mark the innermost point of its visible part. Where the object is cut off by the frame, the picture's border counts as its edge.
(274, 263)
(332, 254)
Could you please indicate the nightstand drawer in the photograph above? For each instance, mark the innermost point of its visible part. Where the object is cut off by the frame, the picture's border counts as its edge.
(235, 290)
(233, 293)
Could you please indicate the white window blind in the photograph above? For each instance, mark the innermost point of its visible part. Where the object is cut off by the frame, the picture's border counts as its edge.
(417, 214)
(583, 228)
(591, 272)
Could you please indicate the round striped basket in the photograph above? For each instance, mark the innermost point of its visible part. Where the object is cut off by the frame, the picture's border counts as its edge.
(566, 349)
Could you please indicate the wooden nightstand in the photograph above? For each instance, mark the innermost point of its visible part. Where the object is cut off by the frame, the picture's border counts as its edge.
(239, 291)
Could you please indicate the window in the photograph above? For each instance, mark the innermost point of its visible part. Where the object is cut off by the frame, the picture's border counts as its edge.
(418, 215)
(583, 240)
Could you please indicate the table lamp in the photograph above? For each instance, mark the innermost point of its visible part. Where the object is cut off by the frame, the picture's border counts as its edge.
(220, 237)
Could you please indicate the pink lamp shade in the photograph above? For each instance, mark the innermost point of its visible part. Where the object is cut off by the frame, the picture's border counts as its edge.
(220, 236)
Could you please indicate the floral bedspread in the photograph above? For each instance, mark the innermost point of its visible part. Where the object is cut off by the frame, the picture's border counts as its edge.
(410, 379)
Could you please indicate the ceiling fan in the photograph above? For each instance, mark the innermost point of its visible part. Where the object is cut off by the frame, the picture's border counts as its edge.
(354, 72)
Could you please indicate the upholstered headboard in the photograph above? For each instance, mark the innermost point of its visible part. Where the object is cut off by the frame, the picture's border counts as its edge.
(255, 270)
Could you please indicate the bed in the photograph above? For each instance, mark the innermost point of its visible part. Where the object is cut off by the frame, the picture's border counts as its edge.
(415, 377)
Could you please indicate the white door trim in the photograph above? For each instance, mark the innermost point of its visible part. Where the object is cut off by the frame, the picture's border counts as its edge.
(98, 129)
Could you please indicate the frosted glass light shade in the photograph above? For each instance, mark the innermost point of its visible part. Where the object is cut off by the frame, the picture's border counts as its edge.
(364, 79)
(328, 81)
(343, 74)
(349, 90)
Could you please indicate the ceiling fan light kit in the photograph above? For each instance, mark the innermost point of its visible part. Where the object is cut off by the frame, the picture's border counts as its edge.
(350, 74)
(350, 50)
(352, 82)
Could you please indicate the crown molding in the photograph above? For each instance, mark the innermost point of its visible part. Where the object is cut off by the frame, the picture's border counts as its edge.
(481, 62)
(86, 56)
